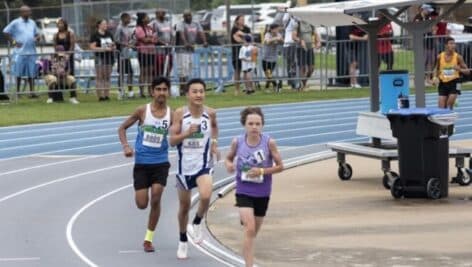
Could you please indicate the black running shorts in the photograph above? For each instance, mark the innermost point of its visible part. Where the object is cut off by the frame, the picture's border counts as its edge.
(259, 204)
(145, 175)
(448, 88)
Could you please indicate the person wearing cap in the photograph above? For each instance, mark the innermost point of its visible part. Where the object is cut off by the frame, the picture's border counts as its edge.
(187, 32)
(424, 14)
(450, 65)
(22, 33)
(59, 77)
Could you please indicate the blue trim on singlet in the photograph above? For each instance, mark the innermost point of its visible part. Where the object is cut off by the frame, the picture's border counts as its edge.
(205, 155)
(204, 115)
(186, 116)
(179, 150)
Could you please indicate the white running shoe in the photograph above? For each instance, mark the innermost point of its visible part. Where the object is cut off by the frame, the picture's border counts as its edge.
(74, 100)
(130, 94)
(197, 233)
(182, 250)
(356, 85)
(50, 101)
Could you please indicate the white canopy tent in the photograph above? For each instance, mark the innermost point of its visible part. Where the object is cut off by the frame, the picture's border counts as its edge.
(346, 13)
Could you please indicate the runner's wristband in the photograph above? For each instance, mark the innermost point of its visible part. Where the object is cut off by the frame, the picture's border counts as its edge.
(262, 171)
(214, 141)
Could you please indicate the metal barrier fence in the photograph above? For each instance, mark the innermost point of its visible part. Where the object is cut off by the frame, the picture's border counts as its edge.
(333, 65)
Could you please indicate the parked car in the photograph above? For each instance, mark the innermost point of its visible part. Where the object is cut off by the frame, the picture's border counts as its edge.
(204, 18)
(218, 19)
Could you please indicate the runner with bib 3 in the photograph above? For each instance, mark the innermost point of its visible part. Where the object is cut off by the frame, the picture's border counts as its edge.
(194, 131)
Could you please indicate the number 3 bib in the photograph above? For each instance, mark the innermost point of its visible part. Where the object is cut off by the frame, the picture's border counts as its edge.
(194, 143)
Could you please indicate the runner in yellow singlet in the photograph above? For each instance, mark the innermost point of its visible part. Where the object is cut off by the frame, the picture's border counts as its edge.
(448, 68)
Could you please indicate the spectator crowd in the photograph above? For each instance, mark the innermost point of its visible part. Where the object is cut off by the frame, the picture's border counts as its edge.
(159, 45)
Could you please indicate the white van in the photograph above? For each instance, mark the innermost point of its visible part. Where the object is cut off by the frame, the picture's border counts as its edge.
(218, 19)
(256, 16)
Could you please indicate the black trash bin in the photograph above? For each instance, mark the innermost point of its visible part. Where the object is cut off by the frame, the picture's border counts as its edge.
(423, 151)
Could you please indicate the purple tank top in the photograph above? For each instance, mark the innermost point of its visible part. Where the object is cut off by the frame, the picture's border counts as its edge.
(253, 156)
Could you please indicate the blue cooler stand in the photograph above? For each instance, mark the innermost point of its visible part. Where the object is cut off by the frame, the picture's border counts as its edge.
(392, 84)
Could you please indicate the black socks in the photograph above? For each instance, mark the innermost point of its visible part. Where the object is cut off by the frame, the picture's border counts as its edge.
(197, 220)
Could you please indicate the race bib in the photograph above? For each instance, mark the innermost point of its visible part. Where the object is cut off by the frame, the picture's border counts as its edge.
(259, 157)
(258, 180)
(449, 72)
(194, 143)
(153, 137)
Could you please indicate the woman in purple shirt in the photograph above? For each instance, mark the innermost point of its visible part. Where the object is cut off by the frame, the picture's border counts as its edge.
(256, 154)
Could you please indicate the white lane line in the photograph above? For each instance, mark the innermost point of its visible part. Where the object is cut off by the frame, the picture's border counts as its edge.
(232, 117)
(118, 122)
(236, 122)
(115, 126)
(301, 129)
(132, 251)
(223, 130)
(64, 128)
(116, 143)
(64, 156)
(55, 163)
(64, 141)
(29, 189)
(171, 153)
(20, 259)
(114, 135)
(330, 106)
(57, 134)
(317, 106)
(112, 143)
(342, 102)
(62, 122)
(70, 225)
(133, 131)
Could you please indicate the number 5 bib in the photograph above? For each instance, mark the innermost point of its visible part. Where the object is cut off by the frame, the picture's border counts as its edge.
(152, 136)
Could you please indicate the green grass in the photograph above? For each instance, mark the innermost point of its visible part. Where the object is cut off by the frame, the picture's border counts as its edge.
(403, 60)
(36, 110)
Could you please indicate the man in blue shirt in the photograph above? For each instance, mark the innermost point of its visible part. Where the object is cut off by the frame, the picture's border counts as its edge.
(23, 34)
